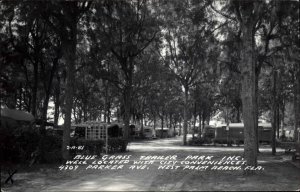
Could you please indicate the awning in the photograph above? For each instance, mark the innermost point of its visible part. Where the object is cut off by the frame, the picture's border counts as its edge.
(17, 115)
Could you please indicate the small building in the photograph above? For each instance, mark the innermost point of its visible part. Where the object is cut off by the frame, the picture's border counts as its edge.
(235, 133)
(148, 132)
(208, 131)
(166, 132)
(95, 130)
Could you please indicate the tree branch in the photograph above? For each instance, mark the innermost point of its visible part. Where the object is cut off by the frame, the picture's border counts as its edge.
(223, 14)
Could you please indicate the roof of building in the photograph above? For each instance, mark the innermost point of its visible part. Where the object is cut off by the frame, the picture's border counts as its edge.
(240, 125)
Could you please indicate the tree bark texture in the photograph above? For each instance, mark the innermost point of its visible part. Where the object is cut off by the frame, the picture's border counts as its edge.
(34, 88)
(48, 88)
(127, 106)
(248, 93)
(274, 111)
(297, 102)
(162, 126)
(56, 101)
(185, 117)
(69, 44)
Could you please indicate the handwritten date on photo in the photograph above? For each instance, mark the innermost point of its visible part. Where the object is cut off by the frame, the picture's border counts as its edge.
(73, 147)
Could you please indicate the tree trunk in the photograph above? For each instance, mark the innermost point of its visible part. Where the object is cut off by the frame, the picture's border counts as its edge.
(44, 113)
(127, 106)
(180, 131)
(34, 88)
(69, 44)
(185, 118)
(256, 107)
(142, 125)
(274, 111)
(105, 118)
(170, 119)
(162, 126)
(142, 118)
(154, 122)
(105, 83)
(278, 101)
(203, 120)
(127, 67)
(108, 111)
(282, 110)
(248, 93)
(200, 124)
(174, 126)
(237, 114)
(85, 114)
(297, 102)
(48, 88)
(84, 108)
(277, 119)
(195, 118)
(194, 128)
(56, 101)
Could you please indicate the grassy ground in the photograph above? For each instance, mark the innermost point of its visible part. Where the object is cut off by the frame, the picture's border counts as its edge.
(279, 174)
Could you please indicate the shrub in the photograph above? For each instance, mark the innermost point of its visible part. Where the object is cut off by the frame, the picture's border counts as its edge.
(25, 145)
(50, 148)
(95, 147)
(223, 141)
(117, 144)
(199, 141)
(91, 147)
(28, 142)
(9, 151)
(29, 146)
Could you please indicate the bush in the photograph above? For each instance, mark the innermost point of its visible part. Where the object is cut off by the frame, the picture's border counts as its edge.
(50, 148)
(117, 144)
(91, 147)
(95, 147)
(9, 151)
(27, 146)
(28, 142)
(199, 141)
(223, 141)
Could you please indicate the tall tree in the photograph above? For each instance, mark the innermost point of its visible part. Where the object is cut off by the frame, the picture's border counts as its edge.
(129, 29)
(244, 17)
(248, 14)
(64, 18)
(189, 46)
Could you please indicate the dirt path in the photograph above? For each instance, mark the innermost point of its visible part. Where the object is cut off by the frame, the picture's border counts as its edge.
(278, 174)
